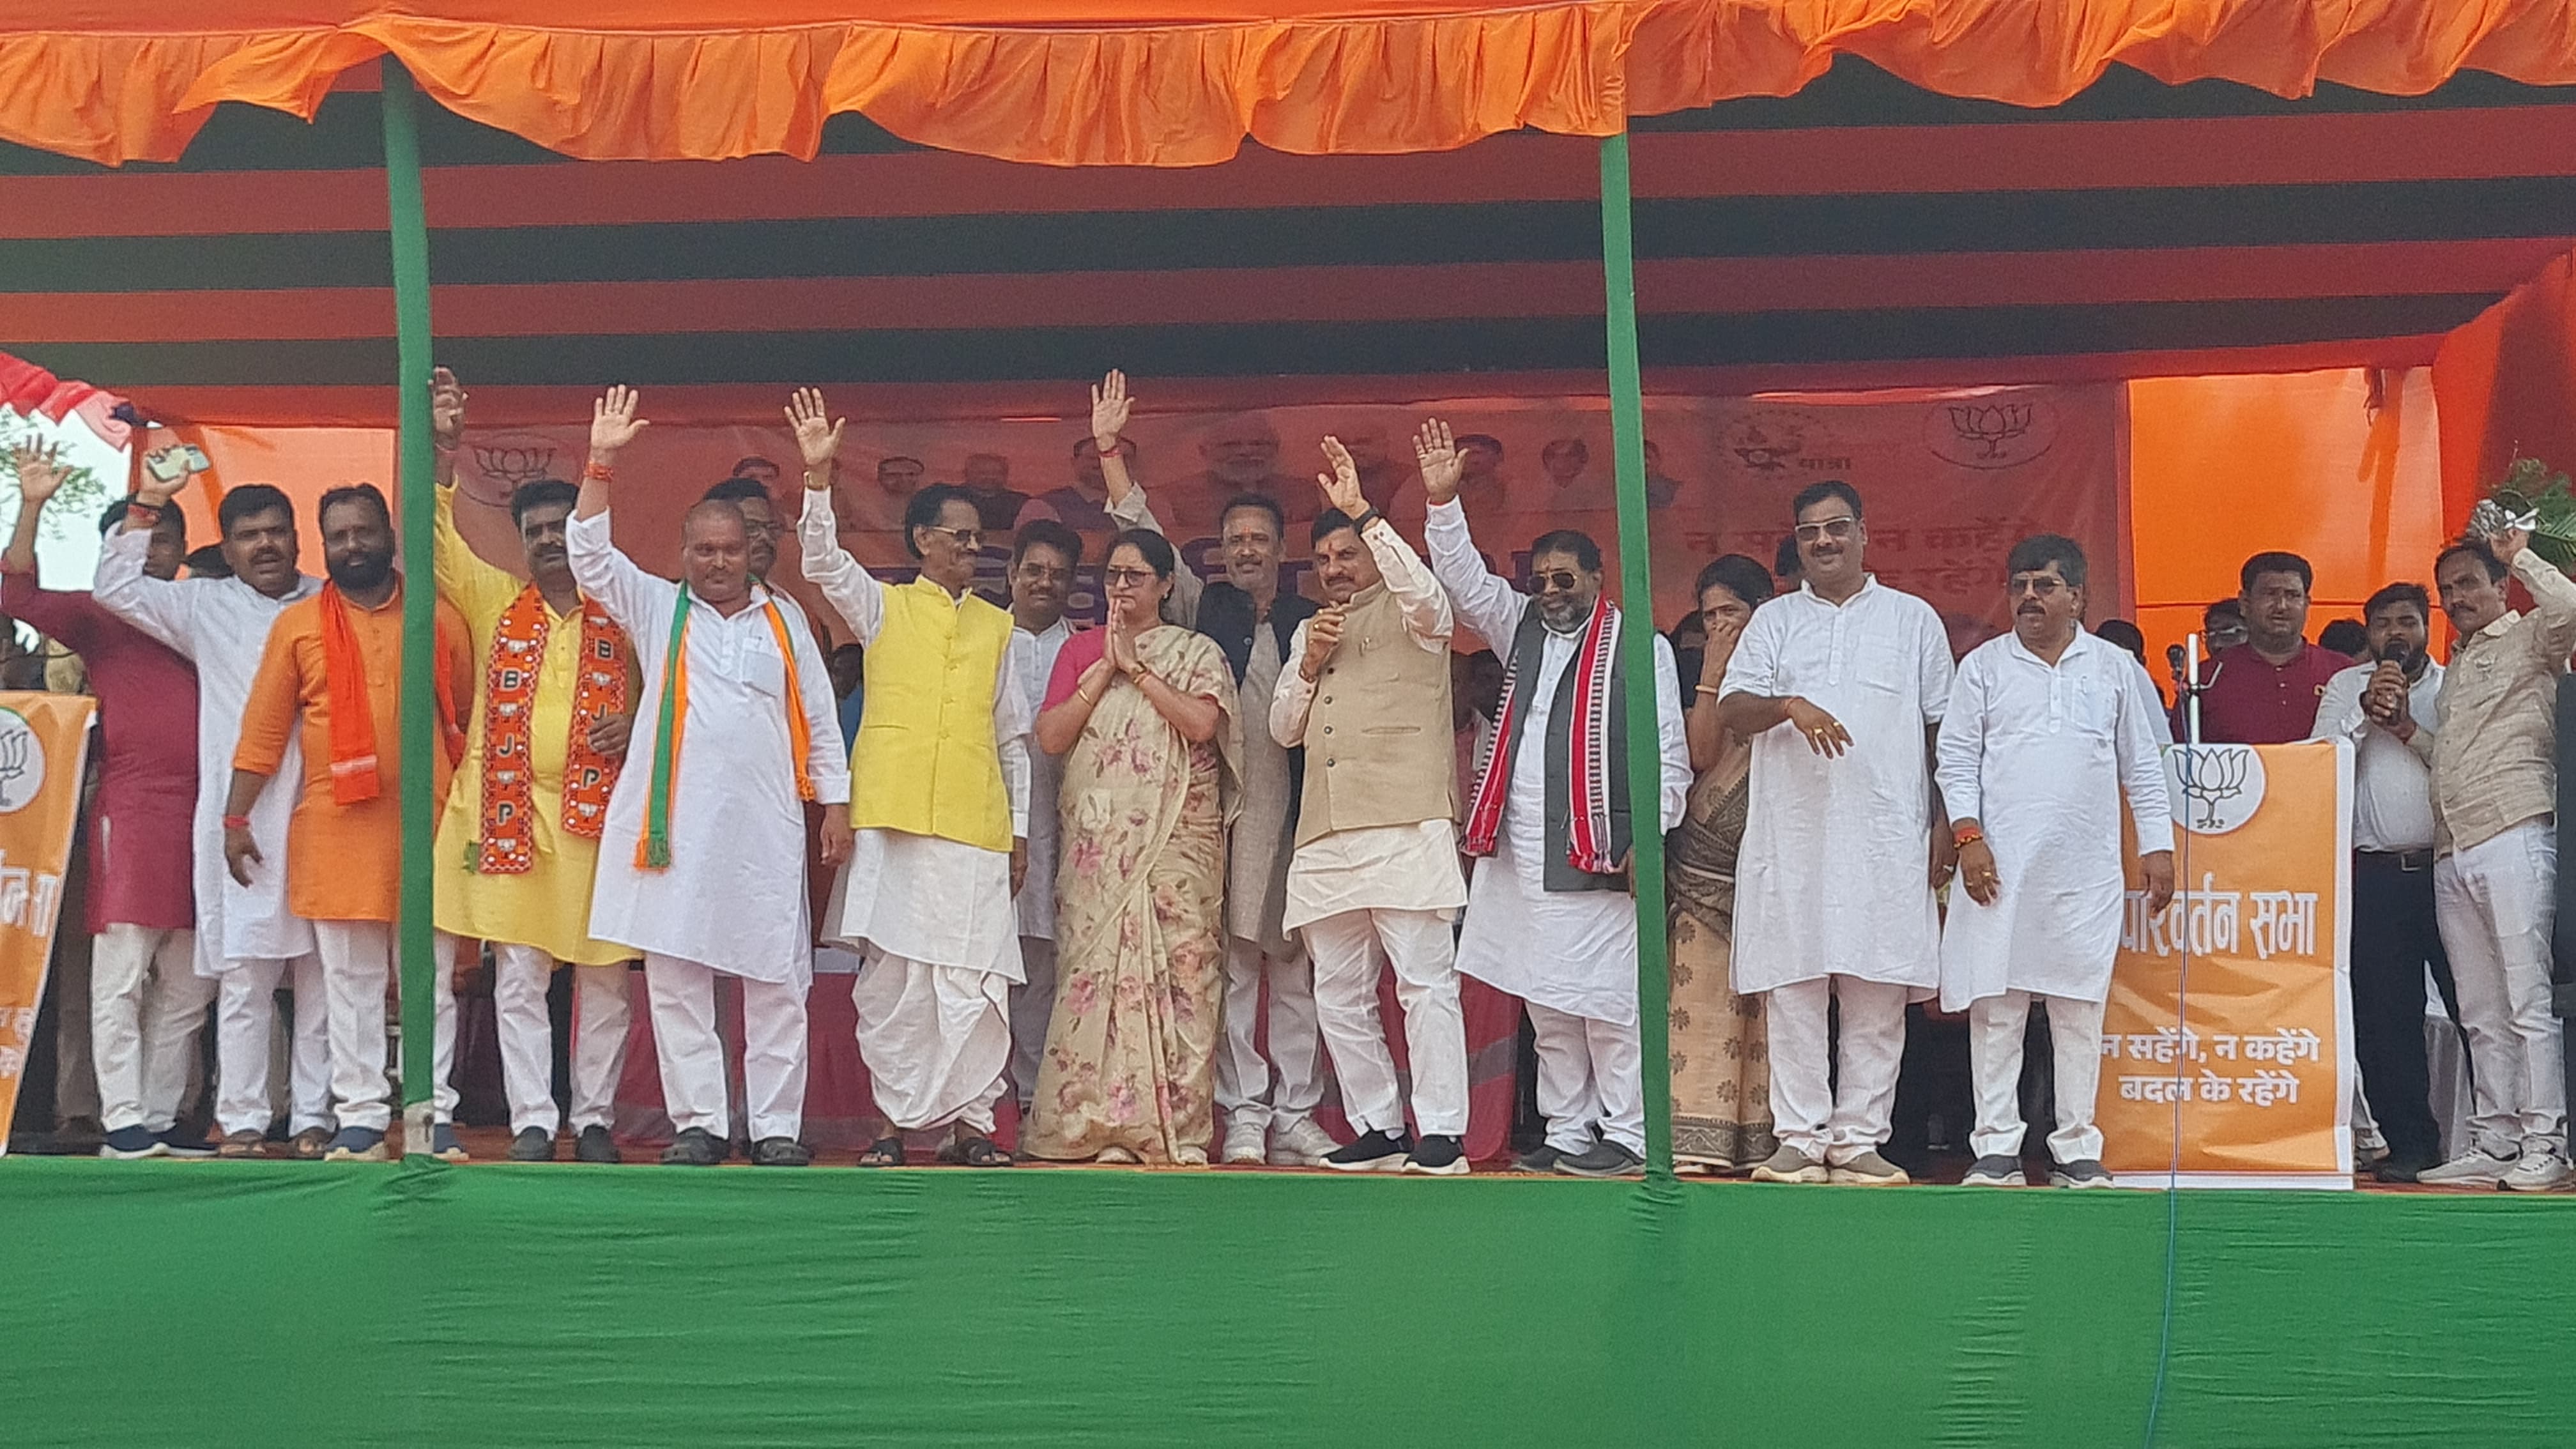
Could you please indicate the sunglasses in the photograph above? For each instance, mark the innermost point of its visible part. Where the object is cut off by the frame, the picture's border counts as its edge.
(1837, 529)
(2044, 586)
(962, 537)
(1558, 581)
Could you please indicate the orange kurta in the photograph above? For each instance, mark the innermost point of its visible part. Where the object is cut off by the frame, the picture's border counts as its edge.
(343, 862)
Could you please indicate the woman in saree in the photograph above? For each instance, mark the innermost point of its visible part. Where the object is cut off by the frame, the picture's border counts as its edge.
(1721, 1063)
(1143, 713)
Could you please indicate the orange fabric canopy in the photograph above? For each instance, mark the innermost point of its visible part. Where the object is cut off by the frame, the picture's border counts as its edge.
(1173, 82)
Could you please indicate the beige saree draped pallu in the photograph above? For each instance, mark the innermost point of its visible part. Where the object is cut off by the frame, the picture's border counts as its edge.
(1721, 1060)
(1130, 1059)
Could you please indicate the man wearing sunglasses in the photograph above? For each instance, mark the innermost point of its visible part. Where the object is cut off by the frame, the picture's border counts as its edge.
(1549, 917)
(939, 807)
(1841, 687)
(2047, 727)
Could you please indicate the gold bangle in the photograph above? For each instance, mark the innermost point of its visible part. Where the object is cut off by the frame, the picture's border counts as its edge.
(1710, 690)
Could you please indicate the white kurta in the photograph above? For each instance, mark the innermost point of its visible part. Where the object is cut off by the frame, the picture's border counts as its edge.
(1574, 951)
(2040, 755)
(733, 897)
(933, 901)
(221, 626)
(1834, 878)
(1036, 656)
(1380, 867)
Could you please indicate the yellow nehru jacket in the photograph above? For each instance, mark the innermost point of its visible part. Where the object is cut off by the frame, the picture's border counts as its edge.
(926, 762)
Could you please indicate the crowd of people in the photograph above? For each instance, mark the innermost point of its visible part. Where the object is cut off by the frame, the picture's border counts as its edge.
(1145, 878)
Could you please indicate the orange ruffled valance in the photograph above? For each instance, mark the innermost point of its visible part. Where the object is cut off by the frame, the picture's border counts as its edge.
(1176, 82)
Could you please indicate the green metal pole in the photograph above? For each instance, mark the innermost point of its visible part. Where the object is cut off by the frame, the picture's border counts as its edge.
(409, 227)
(1637, 654)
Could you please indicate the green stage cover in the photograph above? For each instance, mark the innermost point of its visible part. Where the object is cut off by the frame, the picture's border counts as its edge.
(291, 1304)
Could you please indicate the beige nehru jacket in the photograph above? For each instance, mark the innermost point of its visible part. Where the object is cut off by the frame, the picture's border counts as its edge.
(2495, 754)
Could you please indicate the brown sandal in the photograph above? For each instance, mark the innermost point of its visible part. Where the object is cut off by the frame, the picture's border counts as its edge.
(884, 1152)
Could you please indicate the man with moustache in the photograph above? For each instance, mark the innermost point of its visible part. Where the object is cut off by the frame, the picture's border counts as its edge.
(2495, 873)
(1043, 559)
(518, 845)
(699, 864)
(332, 672)
(1242, 456)
(2265, 690)
(1550, 914)
(2388, 709)
(146, 1000)
(1268, 1102)
(1840, 687)
(2047, 728)
(940, 810)
(248, 939)
(1374, 880)
(760, 516)
(1083, 504)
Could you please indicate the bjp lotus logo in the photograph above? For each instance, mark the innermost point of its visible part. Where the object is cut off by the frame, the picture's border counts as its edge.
(22, 762)
(1766, 444)
(511, 465)
(2214, 788)
(1988, 432)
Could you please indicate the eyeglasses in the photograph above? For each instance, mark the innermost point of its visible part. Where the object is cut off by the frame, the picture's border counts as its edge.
(963, 537)
(1040, 573)
(1133, 578)
(2043, 585)
(1558, 581)
(1837, 529)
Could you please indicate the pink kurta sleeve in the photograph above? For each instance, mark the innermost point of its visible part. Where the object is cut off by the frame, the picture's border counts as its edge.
(1078, 654)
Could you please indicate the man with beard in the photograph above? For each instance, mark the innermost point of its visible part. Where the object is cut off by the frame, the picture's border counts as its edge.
(2495, 875)
(333, 666)
(146, 1000)
(247, 938)
(940, 811)
(2388, 710)
(2047, 727)
(1550, 917)
(1374, 881)
(1268, 1103)
(1840, 687)
(519, 842)
(2265, 690)
(698, 864)
(1043, 559)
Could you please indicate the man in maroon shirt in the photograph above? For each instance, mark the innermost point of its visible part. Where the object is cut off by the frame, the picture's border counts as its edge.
(147, 1000)
(2265, 690)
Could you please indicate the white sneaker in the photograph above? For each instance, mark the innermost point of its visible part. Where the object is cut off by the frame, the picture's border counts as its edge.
(1243, 1142)
(1301, 1144)
(2539, 1169)
(2473, 1168)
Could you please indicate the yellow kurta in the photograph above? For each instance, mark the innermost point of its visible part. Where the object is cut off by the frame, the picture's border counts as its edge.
(548, 907)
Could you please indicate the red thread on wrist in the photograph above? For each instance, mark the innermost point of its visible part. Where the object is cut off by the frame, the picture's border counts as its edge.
(1966, 835)
(596, 471)
(237, 822)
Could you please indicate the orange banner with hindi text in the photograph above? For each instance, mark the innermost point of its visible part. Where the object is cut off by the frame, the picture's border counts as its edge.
(44, 744)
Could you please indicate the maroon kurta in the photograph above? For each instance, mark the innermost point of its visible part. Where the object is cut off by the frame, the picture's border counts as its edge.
(2252, 701)
(140, 836)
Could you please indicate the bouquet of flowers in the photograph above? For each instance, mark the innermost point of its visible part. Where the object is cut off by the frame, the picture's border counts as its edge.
(2532, 498)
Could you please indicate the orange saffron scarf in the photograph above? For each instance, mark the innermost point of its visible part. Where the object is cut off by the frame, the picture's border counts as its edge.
(353, 712)
(671, 718)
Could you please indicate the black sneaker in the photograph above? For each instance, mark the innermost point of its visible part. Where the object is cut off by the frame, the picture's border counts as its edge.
(780, 1152)
(1604, 1158)
(1438, 1156)
(533, 1144)
(182, 1142)
(130, 1144)
(694, 1147)
(1372, 1152)
(596, 1145)
(1542, 1158)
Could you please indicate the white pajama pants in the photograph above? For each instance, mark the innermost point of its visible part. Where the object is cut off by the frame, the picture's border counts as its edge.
(1996, 1025)
(1590, 1079)
(1835, 1119)
(146, 1002)
(774, 1056)
(1349, 950)
(245, 1024)
(1258, 1093)
(600, 1017)
(2495, 903)
(357, 967)
(1032, 1007)
(937, 1041)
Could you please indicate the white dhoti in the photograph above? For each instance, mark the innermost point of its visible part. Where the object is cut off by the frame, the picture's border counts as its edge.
(146, 1002)
(357, 965)
(683, 996)
(936, 1040)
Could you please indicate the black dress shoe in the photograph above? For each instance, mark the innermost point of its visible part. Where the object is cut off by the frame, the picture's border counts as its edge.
(595, 1145)
(2393, 1168)
(533, 1144)
(780, 1152)
(694, 1147)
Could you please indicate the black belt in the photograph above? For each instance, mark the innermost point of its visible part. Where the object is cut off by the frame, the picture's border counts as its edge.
(2405, 860)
